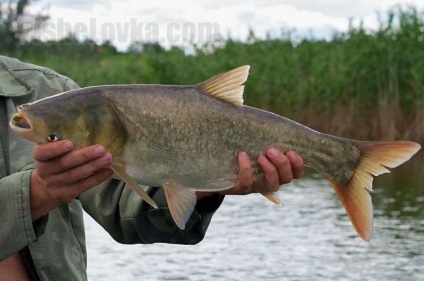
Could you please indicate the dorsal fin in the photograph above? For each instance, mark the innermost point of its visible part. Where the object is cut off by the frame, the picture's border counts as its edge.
(227, 86)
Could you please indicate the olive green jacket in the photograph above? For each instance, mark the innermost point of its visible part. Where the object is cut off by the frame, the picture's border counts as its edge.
(55, 244)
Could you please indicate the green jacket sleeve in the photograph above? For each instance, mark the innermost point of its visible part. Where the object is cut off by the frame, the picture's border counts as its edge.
(120, 211)
(128, 219)
(19, 84)
(15, 214)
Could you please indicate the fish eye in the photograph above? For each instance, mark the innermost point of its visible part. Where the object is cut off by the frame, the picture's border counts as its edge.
(53, 137)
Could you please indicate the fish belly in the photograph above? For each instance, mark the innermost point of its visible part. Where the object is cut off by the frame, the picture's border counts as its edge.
(194, 139)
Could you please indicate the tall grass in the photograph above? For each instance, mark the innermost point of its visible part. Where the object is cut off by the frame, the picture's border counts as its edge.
(362, 84)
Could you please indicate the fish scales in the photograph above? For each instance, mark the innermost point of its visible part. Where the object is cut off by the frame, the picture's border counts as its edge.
(187, 138)
(177, 124)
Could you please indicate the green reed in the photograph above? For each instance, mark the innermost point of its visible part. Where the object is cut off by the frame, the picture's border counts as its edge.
(361, 83)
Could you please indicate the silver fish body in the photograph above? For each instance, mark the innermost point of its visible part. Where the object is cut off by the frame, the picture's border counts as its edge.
(186, 139)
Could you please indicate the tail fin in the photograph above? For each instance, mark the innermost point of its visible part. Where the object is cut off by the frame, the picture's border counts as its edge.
(375, 157)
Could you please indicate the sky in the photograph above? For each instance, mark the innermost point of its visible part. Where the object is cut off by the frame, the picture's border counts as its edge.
(185, 21)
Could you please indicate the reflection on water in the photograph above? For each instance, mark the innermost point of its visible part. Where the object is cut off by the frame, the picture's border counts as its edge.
(308, 238)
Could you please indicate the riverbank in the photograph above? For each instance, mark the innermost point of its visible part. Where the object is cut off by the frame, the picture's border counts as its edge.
(360, 84)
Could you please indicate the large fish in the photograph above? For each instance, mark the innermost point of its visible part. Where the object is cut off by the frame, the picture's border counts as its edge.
(186, 139)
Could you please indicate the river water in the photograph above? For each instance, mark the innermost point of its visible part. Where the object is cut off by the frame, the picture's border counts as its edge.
(308, 238)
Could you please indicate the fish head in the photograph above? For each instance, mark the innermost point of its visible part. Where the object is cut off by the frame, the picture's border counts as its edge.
(84, 122)
(40, 124)
(28, 126)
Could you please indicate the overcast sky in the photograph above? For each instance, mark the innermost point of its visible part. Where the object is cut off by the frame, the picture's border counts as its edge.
(182, 21)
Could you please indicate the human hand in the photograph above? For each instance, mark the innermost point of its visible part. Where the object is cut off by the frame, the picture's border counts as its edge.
(278, 168)
(61, 173)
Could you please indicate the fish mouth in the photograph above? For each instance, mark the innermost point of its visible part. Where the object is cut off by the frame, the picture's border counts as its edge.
(22, 126)
(18, 121)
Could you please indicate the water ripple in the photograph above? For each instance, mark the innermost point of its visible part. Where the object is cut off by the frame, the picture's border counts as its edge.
(308, 238)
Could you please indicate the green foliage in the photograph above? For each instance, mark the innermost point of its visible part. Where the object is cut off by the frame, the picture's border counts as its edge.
(16, 24)
(359, 68)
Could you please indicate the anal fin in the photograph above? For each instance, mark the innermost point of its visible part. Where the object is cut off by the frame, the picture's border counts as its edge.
(272, 196)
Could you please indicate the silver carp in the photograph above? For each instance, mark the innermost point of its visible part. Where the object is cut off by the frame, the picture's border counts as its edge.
(186, 139)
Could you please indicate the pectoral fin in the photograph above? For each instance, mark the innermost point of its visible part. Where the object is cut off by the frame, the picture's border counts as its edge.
(181, 202)
(119, 169)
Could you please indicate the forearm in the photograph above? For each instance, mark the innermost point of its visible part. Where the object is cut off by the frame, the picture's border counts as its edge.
(17, 227)
(40, 202)
(129, 220)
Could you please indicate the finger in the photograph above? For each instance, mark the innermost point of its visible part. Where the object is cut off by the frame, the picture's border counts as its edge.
(282, 164)
(92, 180)
(74, 158)
(296, 163)
(83, 171)
(271, 173)
(70, 192)
(46, 151)
(245, 180)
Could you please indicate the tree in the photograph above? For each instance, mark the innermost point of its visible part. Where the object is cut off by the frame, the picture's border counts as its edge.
(16, 24)
(138, 47)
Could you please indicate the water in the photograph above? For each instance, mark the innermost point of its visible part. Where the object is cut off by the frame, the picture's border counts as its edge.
(308, 238)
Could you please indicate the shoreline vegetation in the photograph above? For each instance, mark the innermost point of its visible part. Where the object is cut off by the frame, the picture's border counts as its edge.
(360, 84)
